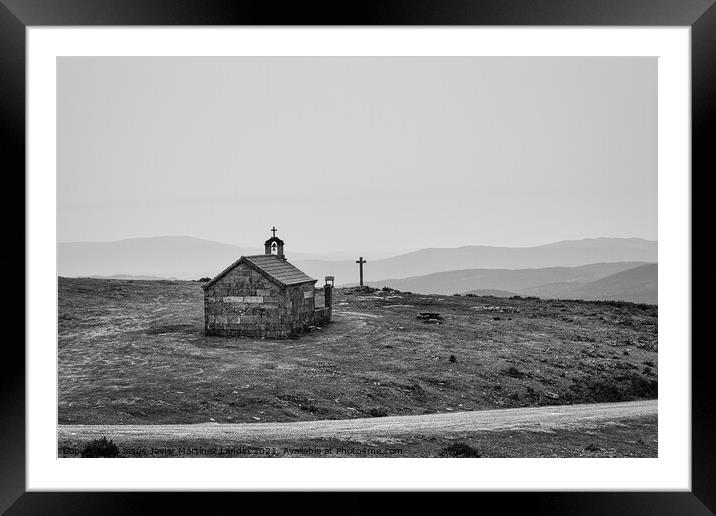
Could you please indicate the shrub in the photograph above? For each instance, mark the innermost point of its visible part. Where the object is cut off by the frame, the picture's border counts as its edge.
(514, 372)
(100, 448)
(453, 359)
(204, 280)
(627, 386)
(378, 412)
(460, 450)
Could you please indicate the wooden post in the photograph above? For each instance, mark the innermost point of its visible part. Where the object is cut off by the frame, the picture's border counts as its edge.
(360, 263)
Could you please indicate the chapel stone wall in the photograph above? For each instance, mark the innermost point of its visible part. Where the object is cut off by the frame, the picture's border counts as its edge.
(245, 303)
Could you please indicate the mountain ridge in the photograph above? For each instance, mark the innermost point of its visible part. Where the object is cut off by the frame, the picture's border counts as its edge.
(192, 258)
(630, 281)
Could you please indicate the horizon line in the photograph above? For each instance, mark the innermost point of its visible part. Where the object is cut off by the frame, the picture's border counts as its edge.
(348, 251)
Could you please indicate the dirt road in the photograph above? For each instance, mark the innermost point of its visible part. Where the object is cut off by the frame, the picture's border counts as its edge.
(531, 418)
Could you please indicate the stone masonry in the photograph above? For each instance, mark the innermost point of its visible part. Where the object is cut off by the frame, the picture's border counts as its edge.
(264, 296)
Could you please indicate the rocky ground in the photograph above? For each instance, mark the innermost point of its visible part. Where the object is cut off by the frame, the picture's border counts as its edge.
(134, 352)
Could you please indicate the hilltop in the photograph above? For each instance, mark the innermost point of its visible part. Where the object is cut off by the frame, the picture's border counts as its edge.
(135, 352)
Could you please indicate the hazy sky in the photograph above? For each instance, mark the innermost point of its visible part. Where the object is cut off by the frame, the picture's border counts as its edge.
(374, 154)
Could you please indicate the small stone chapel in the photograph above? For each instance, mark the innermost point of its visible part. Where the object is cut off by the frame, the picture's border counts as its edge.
(265, 296)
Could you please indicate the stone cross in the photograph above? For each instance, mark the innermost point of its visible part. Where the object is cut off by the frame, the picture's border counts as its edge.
(273, 230)
(360, 263)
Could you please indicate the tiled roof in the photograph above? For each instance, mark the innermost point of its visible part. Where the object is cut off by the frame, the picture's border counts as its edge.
(277, 269)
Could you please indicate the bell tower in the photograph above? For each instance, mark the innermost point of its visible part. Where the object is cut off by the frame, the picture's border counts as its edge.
(274, 245)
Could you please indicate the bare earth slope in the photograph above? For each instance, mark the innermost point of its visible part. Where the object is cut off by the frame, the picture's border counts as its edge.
(133, 352)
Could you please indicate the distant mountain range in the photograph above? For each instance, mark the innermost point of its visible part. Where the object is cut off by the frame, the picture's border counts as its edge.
(626, 281)
(569, 253)
(166, 257)
(193, 258)
(156, 257)
(638, 285)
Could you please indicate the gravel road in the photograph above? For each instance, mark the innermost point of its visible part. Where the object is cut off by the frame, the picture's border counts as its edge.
(530, 418)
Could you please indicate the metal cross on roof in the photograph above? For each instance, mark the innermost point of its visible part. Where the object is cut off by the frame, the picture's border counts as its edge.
(273, 229)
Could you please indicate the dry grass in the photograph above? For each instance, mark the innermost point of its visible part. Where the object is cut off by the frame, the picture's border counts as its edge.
(134, 352)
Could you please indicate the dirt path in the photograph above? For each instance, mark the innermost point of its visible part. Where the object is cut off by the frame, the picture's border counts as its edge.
(531, 418)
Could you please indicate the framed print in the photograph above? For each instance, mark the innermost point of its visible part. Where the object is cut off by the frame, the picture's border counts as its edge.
(341, 250)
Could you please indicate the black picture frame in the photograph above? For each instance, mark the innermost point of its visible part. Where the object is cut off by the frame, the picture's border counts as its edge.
(17, 15)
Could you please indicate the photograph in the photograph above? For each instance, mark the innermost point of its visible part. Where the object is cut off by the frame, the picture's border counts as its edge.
(357, 257)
